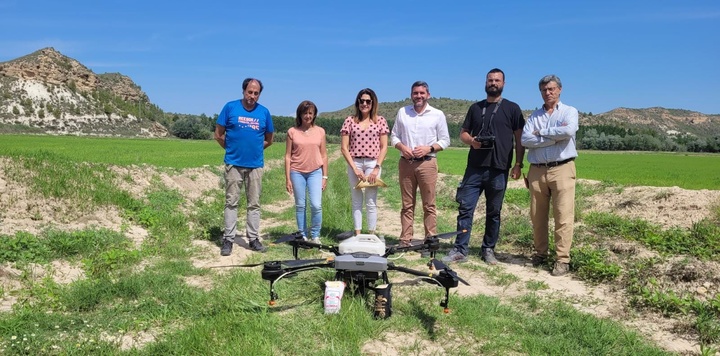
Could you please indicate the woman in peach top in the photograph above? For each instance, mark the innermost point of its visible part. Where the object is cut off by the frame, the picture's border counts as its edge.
(306, 165)
(364, 146)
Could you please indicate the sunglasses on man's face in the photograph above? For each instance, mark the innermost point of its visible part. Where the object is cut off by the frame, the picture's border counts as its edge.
(365, 101)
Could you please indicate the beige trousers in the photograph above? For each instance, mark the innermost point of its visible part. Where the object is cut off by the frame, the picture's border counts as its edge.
(556, 185)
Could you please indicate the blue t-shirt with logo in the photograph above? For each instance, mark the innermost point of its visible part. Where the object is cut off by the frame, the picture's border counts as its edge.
(245, 133)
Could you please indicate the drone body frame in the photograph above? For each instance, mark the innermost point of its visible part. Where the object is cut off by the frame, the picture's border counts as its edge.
(361, 262)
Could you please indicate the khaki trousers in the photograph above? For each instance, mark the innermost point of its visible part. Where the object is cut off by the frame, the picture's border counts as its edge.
(556, 184)
(414, 175)
(235, 179)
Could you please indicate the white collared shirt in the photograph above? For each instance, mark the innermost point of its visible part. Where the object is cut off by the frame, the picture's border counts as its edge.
(420, 129)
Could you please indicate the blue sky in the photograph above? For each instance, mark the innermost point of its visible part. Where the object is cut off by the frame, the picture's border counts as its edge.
(191, 56)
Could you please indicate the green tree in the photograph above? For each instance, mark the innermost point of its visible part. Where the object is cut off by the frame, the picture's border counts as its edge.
(191, 127)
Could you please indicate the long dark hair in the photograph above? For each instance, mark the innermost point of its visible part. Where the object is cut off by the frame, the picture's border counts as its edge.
(303, 108)
(373, 108)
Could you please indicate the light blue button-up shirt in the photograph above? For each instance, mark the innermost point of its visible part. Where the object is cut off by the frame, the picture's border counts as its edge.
(556, 141)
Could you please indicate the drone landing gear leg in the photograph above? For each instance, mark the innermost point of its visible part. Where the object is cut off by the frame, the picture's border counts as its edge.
(446, 301)
(383, 301)
(273, 295)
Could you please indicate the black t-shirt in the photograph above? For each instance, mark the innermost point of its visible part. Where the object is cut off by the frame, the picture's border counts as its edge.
(506, 120)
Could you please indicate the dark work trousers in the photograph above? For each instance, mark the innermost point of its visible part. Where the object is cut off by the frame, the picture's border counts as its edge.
(477, 180)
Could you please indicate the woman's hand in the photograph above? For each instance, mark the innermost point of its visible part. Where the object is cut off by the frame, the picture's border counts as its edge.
(373, 175)
(288, 186)
(359, 174)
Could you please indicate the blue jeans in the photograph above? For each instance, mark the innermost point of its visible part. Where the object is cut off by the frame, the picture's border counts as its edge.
(310, 184)
(476, 181)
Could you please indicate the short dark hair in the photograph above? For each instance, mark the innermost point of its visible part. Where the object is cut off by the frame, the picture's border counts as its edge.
(247, 81)
(550, 78)
(302, 109)
(497, 70)
(420, 83)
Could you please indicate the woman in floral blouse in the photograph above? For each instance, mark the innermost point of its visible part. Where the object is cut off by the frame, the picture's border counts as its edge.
(364, 146)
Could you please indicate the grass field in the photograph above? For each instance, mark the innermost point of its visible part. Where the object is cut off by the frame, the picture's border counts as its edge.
(142, 292)
(655, 169)
(689, 171)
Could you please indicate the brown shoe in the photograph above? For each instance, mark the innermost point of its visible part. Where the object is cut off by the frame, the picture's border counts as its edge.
(560, 269)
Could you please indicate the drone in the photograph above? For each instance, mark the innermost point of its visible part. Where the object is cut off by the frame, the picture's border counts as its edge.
(361, 262)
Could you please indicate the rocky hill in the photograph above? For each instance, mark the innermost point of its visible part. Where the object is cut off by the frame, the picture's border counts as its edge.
(49, 92)
(671, 122)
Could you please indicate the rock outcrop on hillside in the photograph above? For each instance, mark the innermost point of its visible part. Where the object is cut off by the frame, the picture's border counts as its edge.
(49, 92)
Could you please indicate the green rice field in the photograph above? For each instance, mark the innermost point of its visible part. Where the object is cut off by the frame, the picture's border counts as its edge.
(661, 169)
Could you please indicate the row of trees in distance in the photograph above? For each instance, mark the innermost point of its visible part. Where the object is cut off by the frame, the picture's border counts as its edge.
(595, 137)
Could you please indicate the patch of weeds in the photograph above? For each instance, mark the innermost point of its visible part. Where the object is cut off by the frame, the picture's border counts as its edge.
(536, 285)
(163, 216)
(207, 216)
(83, 242)
(628, 203)
(591, 264)
(708, 327)
(517, 231)
(128, 178)
(663, 195)
(647, 292)
(52, 175)
(533, 302)
(715, 209)
(706, 350)
(582, 193)
(24, 247)
(496, 274)
(699, 241)
(43, 293)
(502, 279)
(111, 262)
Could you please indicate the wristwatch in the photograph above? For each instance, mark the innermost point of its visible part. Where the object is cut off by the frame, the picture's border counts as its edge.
(432, 148)
(522, 165)
(378, 166)
(324, 177)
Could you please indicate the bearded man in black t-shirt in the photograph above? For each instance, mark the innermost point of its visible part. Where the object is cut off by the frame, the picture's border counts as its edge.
(492, 128)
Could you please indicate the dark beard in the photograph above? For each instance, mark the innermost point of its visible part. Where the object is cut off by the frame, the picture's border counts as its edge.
(494, 92)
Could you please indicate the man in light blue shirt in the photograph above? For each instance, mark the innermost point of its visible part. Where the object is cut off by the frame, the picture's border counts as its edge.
(549, 135)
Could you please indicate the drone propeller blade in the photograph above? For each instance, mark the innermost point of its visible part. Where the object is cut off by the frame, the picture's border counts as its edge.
(447, 235)
(441, 266)
(247, 265)
(454, 274)
(299, 263)
(294, 236)
(438, 265)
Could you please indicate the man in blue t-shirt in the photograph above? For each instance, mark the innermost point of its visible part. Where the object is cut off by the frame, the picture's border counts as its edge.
(244, 129)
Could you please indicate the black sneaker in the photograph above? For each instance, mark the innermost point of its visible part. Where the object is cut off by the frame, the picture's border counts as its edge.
(256, 245)
(488, 255)
(226, 249)
(538, 260)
